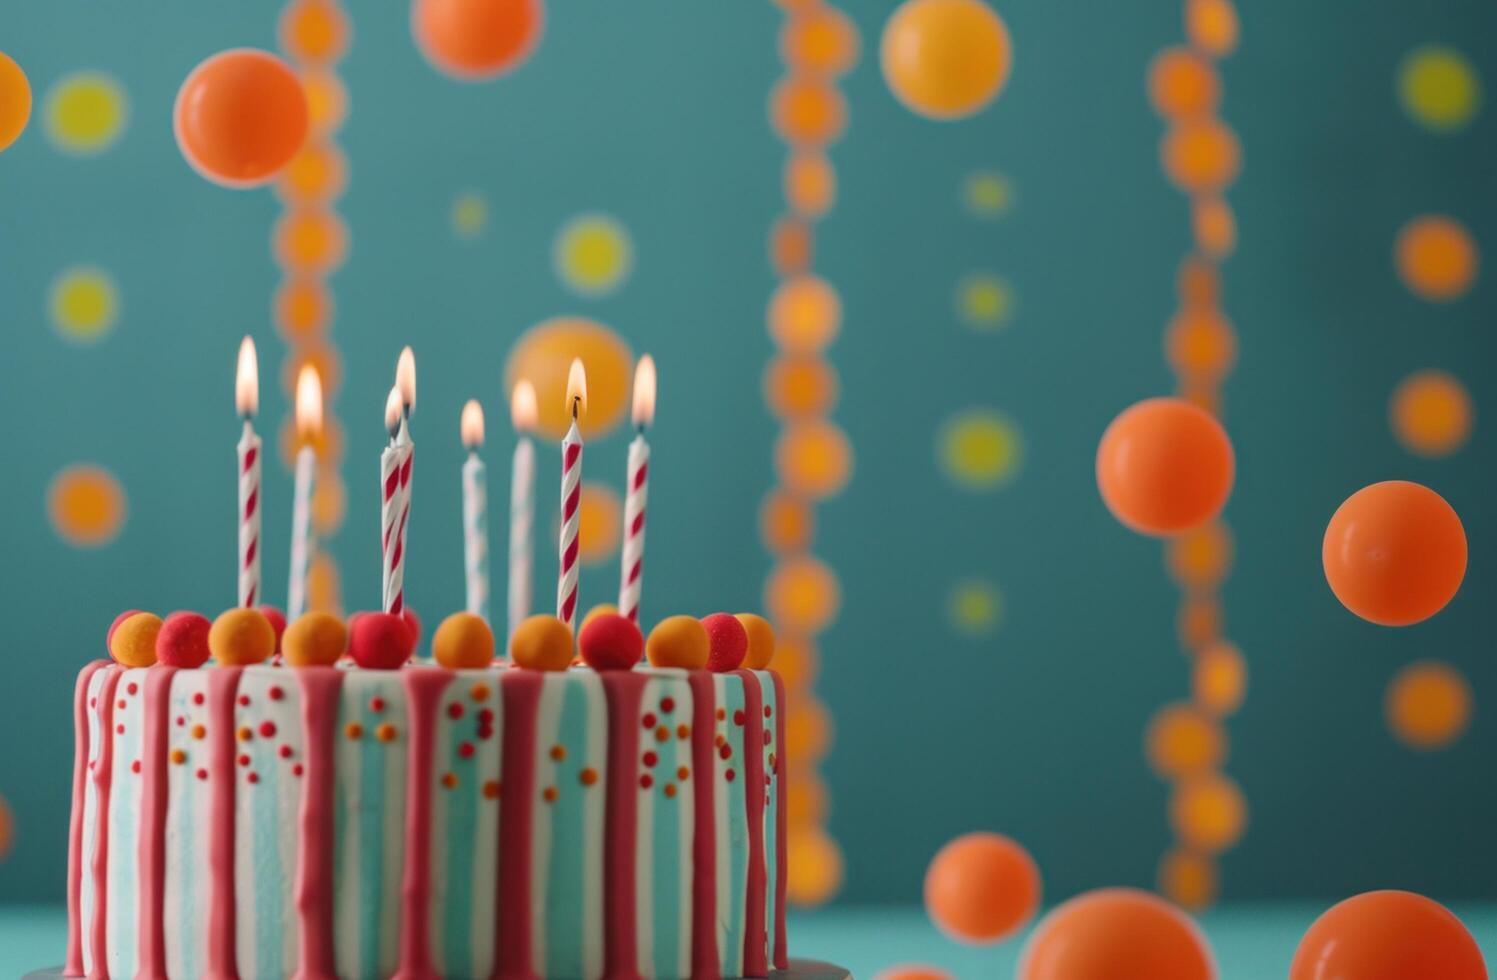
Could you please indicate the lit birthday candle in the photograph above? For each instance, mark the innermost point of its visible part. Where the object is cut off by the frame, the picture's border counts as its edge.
(308, 429)
(395, 481)
(246, 403)
(475, 512)
(571, 496)
(522, 411)
(638, 483)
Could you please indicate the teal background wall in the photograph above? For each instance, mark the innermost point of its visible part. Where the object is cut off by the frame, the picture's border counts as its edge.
(655, 113)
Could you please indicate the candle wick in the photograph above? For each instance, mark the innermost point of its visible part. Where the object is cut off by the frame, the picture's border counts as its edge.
(576, 400)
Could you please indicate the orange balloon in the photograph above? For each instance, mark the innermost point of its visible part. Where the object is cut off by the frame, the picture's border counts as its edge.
(1200, 345)
(240, 117)
(1164, 466)
(15, 101)
(813, 458)
(543, 355)
(802, 595)
(945, 59)
(807, 111)
(1395, 553)
(1201, 156)
(982, 888)
(476, 40)
(1436, 257)
(1431, 413)
(1182, 84)
(1119, 934)
(1387, 935)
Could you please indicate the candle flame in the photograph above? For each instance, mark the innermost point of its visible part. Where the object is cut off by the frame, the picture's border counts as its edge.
(577, 389)
(392, 412)
(405, 380)
(472, 424)
(644, 392)
(308, 403)
(247, 380)
(523, 410)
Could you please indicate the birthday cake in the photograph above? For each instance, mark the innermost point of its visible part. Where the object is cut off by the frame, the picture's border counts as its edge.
(324, 818)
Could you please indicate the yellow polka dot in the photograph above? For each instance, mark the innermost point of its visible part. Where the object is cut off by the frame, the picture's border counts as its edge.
(985, 302)
(593, 254)
(86, 505)
(987, 194)
(84, 304)
(974, 607)
(86, 112)
(1428, 705)
(979, 449)
(600, 522)
(1439, 88)
(470, 214)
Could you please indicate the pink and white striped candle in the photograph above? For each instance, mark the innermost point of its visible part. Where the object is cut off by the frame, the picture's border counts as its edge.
(246, 403)
(631, 572)
(396, 463)
(308, 428)
(571, 497)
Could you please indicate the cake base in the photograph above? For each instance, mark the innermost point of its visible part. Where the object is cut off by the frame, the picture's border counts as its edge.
(799, 970)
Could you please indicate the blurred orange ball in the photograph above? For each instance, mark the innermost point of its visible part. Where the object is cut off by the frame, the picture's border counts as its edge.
(808, 732)
(323, 358)
(1189, 880)
(1199, 622)
(814, 459)
(1201, 156)
(240, 117)
(945, 59)
(787, 522)
(327, 101)
(544, 354)
(309, 240)
(810, 183)
(800, 385)
(801, 595)
(1200, 345)
(982, 888)
(1183, 741)
(1164, 466)
(1428, 705)
(797, 662)
(1208, 813)
(1198, 559)
(814, 867)
(15, 101)
(317, 173)
(807, 112)
(1211, 25)
(302, 308)
(1395, 553)
(790, 247)
(1117, 934)
(1436, 257)
(1387, 935)
(819, 40)
(1218, 679)
(807, 802)
(314, 31)
(1431, 413)
(329, 500)
(1182, 84)
(805, 314)
(476, 40)
(1198, 283)
(1214, 226)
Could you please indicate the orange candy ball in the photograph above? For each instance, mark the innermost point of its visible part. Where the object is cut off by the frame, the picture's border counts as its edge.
(133, 642)
(761, 641)
(240, 117)
(240, 637)
(1164, 466)
(982, 888)
(678, 641)
(945, 59)
(1387, 935)
(476, 40)
(1120, 934)
(316, 639)
(1395, 553)
(463, 642)
(15, 101)
(542, 643)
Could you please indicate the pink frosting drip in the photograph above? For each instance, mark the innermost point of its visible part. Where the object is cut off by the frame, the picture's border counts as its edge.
(74, 964)
(103, 767)
(755, 935)
(320, 690)
(782, 867)
(513, 956)
(624, 691)
(424, 687)
(223, 686)
(156, 710)
(705, 963)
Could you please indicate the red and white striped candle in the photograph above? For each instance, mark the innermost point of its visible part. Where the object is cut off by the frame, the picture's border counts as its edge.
(308, 428)
(523, 411)
(571, 497)
(246, 403)
(475, 512)
(396, 463)
(631, 573)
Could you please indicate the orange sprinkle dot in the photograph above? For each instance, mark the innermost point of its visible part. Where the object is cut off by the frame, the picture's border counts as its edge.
(588, 776)
(683, 774)
(683, 732)
(246, 735)
(353, 730)
(479, 692)
(449, 780)
(722, 714)
(550, 794)
(558, 753)
(385, 732)
(670, 789)
(178, 757)
(491, 789)
(662, 734)
(198, 731)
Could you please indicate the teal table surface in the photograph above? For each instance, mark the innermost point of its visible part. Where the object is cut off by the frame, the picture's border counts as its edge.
(1252, 942)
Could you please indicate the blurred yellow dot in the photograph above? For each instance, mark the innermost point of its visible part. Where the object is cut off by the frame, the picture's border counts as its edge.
(1188, 879)
(813, 867)
(1428, 705)
(84, 304)
(7, 829)
(1436, 257)
(1208, 813)
(1211, 25)
(322, 585)
(797, 662)
(801, 595)
(813, 458)
(1199, 622)
(470, 214)
(808, 732)
(985, 302)
(810, 183)
(1200, 345)
(786, 522)
(1431, 413)
(1214, 226)
(1199, 558)
(1181, 740)
(974, 607)
(593, 254)
(1218, 679)
(800, 385)
(1439, 88)
(807, 801)
(86, 505)
(988, 194)
(543, 355)
(805, 314)
(979, 449)
(599, 523)
(329, 500)
(86, 112)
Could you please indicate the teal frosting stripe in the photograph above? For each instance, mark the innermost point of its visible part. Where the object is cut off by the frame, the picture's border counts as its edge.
(667, 864)
(270, 876)
(565, 875)
(737, 870)
(462, 821)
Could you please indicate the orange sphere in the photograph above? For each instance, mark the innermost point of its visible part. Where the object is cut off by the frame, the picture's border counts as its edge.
(820, 40)
(1201, 156)
(800, 385)
(1431, 413)
(240, 117)
(1387, 935)
(15, 101)
(1120, 934)
(1436, 257)
(476, 40)
(1164, 466)
(1395, 553)
(807, 111)
(813, 458)
(945, 59)
(982, 888)
(802, 595)
(1182, 84)
(1428, 705)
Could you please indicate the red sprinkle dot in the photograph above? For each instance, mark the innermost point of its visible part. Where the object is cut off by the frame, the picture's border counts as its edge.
(376, 705)
(650, 758)
(254, 777)
(131, 688)
(739, 717)
(244, 700)
(648, 720)
(135, 766)
(276, 693)
(767, 738)
(285, 752)
(725, 750)
(244, 760)
(455, 710)
(729, 775)
(485, 732)
(485, 716)
(296, 770)
(646, 781)
(267, 729)
(203, 774)
(722, 714)
(119, 729)
(667, 705)
(465, 750)
(120, 704)
(93, 702)
(181, 721)
(198, 698)
(768, 711)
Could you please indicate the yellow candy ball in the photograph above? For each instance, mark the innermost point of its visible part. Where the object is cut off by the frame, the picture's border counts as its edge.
(240, 637)
(463, 642)
(542, 643)
(316, 639)
(600, 609)
(679, 641)
(761, 641)
(134, 641)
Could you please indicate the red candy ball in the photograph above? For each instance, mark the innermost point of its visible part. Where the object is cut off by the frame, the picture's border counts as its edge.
(380, 641)
(277, 623)
(108, 637)
(611, 642)
(183, 640)
(729, 642)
